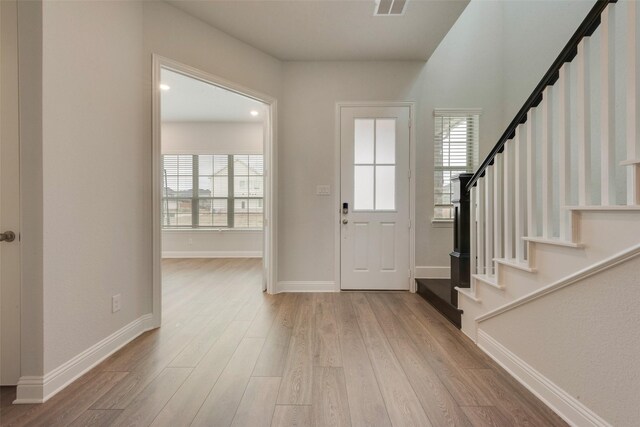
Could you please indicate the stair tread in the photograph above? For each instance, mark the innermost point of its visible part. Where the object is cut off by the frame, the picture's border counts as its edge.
(604, 208)
(467, 292)
(489, 280)
(554, 241)
(516, 264)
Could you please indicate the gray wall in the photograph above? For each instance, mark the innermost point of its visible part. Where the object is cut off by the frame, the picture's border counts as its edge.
(96, 119)
(96, 225)
(307, 157)
(211, 138)
(86, 83)
(534, 34)
(488, 60)
(579, 338)
(465, 71)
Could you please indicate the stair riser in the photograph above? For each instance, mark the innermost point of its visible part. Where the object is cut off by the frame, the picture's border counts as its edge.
(603, 233)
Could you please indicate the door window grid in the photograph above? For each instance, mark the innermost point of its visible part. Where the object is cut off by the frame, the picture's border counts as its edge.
(199, 191)
(374, 179)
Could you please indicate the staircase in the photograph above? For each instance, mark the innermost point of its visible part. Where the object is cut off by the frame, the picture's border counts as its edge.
(554, 229)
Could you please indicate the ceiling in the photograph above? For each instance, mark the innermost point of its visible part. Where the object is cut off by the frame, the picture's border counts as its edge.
(189, 99)
(330, 29)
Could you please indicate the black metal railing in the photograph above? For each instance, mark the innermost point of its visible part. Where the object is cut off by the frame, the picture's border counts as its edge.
(586, 29)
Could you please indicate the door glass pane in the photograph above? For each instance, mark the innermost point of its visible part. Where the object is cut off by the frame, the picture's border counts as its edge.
(385, 141)
(363, 188)
(385, 187)
(363, 141)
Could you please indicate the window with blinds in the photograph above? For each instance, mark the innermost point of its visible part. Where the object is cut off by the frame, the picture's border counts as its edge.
(212, 191)
(456, 152)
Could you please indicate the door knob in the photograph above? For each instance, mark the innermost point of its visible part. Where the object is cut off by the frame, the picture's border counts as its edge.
(345, 221)
(7, 236)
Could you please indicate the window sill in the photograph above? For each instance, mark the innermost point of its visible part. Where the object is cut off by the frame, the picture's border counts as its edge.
(212, 230)
(442, 223)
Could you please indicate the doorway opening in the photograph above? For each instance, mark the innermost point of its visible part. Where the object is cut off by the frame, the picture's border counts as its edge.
(213, 193)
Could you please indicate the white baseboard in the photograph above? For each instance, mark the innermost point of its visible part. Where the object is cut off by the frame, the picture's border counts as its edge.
(212, 254)
(34, 389)
(433, 272)
(562, 403)
(308, 286)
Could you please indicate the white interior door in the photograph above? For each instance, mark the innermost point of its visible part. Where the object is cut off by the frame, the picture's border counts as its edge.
(9, 197)
(374, 180)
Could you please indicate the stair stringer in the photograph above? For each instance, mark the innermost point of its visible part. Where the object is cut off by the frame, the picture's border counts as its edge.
(574, 342)
(602, 233)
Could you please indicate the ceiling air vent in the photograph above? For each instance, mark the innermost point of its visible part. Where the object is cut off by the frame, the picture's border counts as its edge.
(390, 7)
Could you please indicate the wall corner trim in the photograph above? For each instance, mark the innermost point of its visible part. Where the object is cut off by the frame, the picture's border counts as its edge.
(39, 389)
(306, 286)
(562, 403)
(433, 272)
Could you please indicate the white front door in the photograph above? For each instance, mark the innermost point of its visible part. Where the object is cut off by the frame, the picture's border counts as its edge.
(374, 236)
(9, 197)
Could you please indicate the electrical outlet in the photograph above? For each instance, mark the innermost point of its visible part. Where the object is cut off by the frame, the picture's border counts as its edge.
(115, 303)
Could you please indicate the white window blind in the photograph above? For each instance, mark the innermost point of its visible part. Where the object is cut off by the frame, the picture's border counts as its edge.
(456, 152)
(212, 191)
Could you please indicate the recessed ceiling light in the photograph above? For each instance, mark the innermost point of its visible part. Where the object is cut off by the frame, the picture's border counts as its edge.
(254, 113)
(164, 86)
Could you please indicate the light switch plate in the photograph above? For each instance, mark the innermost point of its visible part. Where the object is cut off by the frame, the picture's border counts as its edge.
(323, 190)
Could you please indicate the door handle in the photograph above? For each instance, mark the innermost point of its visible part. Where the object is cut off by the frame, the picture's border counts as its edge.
(345, 221)
(7, 236)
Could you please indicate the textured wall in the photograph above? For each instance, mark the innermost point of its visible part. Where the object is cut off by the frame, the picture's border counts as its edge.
(96, 216)
(585, 339)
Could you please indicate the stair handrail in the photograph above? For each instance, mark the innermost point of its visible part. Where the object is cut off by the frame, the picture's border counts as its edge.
(586, 29)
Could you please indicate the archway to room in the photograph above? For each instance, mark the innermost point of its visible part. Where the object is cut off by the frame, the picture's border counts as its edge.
(213, 196)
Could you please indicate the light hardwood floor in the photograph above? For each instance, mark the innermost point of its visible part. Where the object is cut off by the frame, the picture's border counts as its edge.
(229, 354)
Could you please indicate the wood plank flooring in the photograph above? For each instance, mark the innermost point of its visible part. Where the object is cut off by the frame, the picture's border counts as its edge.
(229, 354)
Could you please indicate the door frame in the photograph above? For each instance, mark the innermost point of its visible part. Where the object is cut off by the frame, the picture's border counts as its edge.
(10, 145)
(270, 177)
(338, 180)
